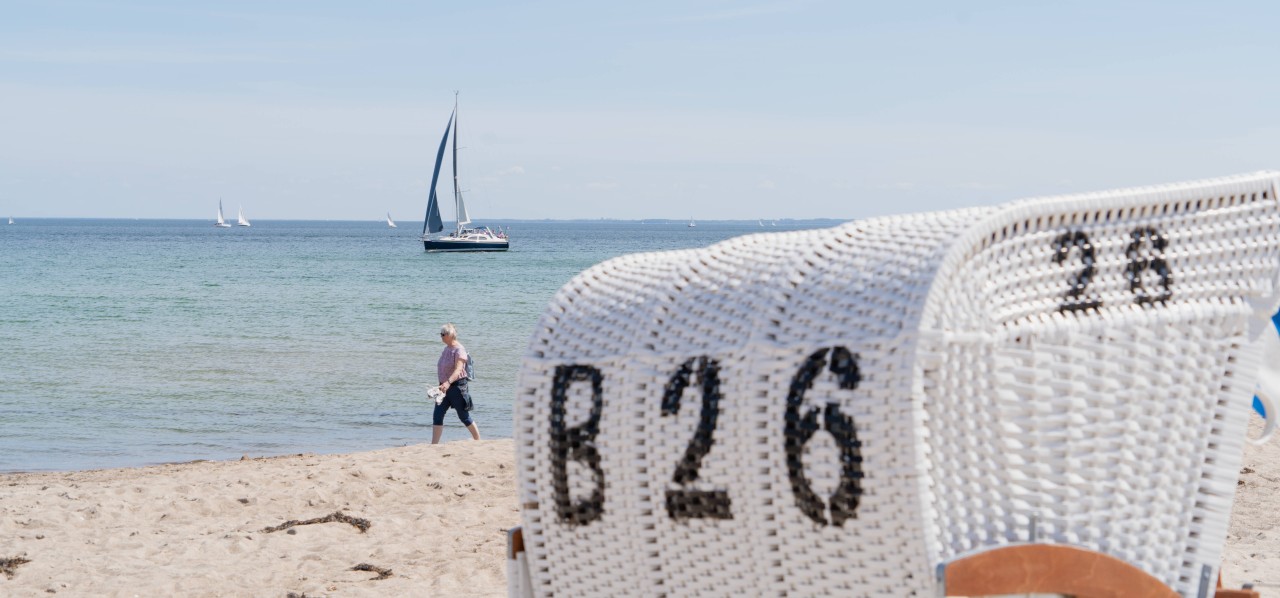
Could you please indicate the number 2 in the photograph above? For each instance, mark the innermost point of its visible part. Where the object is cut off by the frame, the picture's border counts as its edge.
(686, 503)
(1062, 250)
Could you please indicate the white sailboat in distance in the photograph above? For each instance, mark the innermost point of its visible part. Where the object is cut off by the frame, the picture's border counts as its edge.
(390, 223)
(240, 219)
(221, 223)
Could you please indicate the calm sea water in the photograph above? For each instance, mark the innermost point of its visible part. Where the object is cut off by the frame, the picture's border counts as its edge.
(127, 342)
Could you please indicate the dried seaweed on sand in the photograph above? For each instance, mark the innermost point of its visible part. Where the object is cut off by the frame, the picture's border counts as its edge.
(9, 565)
(382, 573)
(360, 523)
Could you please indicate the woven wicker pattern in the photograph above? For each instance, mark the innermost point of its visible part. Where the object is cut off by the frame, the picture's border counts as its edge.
(839, 411)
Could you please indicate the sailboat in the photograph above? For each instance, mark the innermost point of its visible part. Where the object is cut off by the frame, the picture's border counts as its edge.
(11, 220)
(462, 238)
(691, 223)
(240, 219)
(390, 223)
(221, 223)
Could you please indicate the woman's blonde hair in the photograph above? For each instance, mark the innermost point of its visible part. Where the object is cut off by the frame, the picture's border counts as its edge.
(449, 329)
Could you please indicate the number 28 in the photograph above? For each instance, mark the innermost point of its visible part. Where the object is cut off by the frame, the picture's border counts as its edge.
(1141, 260)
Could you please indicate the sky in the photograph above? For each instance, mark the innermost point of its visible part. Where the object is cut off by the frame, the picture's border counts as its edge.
(701, 109)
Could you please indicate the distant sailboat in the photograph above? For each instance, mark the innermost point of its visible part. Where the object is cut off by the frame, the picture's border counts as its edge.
(692, 223)
(11, 220)
(462, 238)
(390, 223)
(760, 222)
(240, 219)
(221, 223)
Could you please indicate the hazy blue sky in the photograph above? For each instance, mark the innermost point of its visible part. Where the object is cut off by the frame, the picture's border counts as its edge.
(655, 109)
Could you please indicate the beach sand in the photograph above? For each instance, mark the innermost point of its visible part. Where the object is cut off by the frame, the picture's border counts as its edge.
(1252, 554)
(437, 517)
(437, 520)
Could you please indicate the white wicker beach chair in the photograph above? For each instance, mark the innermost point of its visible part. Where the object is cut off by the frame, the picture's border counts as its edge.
(869, 409)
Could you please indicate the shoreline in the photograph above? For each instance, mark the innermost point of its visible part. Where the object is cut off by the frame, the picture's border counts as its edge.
(437, 518)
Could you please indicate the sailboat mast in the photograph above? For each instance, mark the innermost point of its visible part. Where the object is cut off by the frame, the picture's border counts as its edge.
(457, 191)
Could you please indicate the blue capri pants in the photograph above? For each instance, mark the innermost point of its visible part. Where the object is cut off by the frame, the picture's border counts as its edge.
(459, 398)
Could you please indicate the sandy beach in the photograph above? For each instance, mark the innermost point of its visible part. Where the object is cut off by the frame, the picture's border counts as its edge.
(436, 519)
(1252, 554)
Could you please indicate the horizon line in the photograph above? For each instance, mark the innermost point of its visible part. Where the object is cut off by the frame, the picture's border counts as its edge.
(819, 219)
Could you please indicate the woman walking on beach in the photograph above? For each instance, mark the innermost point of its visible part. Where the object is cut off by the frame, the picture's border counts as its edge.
(451, 371)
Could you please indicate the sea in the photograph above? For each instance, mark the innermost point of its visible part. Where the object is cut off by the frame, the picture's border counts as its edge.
(134, 342)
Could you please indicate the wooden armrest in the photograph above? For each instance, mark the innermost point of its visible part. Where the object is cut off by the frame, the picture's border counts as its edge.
(1043, 568)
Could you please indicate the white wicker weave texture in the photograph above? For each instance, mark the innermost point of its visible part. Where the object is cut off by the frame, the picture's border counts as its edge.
(840, 411)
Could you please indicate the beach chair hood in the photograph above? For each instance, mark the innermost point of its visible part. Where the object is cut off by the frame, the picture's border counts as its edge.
(841, 411)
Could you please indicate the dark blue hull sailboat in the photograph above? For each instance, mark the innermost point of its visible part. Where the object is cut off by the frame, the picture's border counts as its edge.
(452, 244)
(462, 238)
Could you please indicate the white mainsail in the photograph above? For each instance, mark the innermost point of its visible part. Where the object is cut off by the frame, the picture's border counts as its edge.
(220, 223)
(463, 218)
(390, 223)
(240, 219)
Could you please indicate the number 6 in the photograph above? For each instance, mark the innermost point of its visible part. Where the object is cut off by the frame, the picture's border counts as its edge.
(799, 429)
